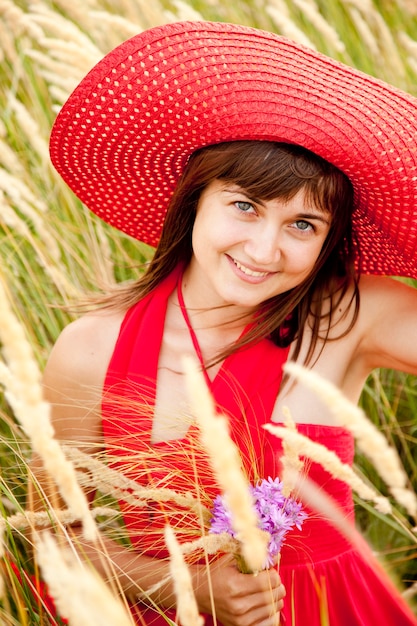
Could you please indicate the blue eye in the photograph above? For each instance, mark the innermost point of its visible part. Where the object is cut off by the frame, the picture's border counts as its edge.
(243, 206)
(303, 225)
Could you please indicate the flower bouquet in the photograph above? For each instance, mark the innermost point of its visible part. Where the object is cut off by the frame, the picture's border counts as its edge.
(277, 514)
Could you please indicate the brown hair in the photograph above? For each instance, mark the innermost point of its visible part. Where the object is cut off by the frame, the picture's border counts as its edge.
(267, 170)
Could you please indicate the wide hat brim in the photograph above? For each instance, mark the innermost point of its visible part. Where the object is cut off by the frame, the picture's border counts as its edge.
(123, 138)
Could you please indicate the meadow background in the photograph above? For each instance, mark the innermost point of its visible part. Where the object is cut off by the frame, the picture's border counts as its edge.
(53, 250)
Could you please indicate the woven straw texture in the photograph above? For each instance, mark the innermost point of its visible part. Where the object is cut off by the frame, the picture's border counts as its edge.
(123, 138)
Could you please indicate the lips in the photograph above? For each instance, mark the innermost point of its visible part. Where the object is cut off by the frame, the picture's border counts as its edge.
(249, 272)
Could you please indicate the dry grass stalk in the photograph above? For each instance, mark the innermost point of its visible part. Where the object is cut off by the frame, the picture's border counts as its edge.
(187, 609)
(21, 196)
(142, 12)
(56, 72)
(77, 9)
(8, 52)
(45, 518)
(290, 460)
(30, 127)
(329, 460)
(12, 16)
(311, 11)
(225, 461)
(119, 486)
(408, 6)
(410, 592)
(369, 439)
(106, 29)
(114, 28)
(280, 15)
(410, 46)
(366, 6)
(62, 31)
(211, 544)
(15, 193)
(318, 500)
(79, 593)
(11, 219)
(24, 393)
(8, 158)
(67, 54)
(183, 12)
(374, 30)
(365, 32)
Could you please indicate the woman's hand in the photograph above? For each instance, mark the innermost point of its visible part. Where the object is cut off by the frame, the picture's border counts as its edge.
(239, 599)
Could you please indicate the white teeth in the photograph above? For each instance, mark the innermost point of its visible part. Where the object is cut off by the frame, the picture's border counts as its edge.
(247, 271)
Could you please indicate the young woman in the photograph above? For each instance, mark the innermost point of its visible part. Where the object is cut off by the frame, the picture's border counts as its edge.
(278, 186)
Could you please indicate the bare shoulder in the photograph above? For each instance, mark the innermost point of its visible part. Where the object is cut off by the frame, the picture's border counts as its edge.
(383, 284)
(388, 323)
(74, 375)
(386, 295)
(85, 346)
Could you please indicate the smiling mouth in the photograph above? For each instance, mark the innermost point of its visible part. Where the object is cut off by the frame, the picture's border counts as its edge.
(249, 272)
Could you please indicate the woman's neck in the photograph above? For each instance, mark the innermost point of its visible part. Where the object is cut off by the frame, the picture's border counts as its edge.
(211, 314)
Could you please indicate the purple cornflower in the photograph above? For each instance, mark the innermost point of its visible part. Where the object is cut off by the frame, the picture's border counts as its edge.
(277, 515)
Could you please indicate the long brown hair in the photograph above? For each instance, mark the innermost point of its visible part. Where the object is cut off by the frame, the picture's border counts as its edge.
(267, 170)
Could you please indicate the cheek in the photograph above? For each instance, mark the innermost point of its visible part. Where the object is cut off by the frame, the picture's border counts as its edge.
(202, 232)
(304, 257)
(213, 234)
(205, 240)
(198, 230)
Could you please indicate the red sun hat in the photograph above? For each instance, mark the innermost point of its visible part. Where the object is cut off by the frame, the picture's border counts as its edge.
(124, 136)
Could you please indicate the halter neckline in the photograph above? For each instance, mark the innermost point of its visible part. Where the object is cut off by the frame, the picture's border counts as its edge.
(191, 331)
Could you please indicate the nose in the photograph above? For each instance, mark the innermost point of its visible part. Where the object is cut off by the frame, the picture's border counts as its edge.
(264, 246)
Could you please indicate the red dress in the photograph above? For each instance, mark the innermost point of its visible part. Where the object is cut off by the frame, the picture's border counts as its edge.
(321, 571)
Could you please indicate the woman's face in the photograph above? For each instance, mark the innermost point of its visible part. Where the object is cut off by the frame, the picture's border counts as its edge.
(246, 250)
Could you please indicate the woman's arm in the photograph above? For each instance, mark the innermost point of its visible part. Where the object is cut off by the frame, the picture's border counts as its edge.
(388, 319)
(236, 599)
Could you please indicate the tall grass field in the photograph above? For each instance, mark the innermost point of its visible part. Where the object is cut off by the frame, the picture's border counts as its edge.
(54, 252)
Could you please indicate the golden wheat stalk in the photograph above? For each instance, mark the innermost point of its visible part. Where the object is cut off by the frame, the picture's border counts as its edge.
(111, 482)
(43, 519)
(226, 465)
(210, 545)
(21, 378)
(369, 439)
(311, 12)
(318, 500)
(78, 591)
(290, 461)
(331, 463)
(280, 15)
(187, 609)
(410, 592)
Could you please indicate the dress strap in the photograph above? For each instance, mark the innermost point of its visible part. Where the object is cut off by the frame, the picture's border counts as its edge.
(191, 329)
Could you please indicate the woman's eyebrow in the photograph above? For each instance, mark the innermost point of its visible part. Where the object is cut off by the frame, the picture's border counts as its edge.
(234, 188)
(321, 217)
